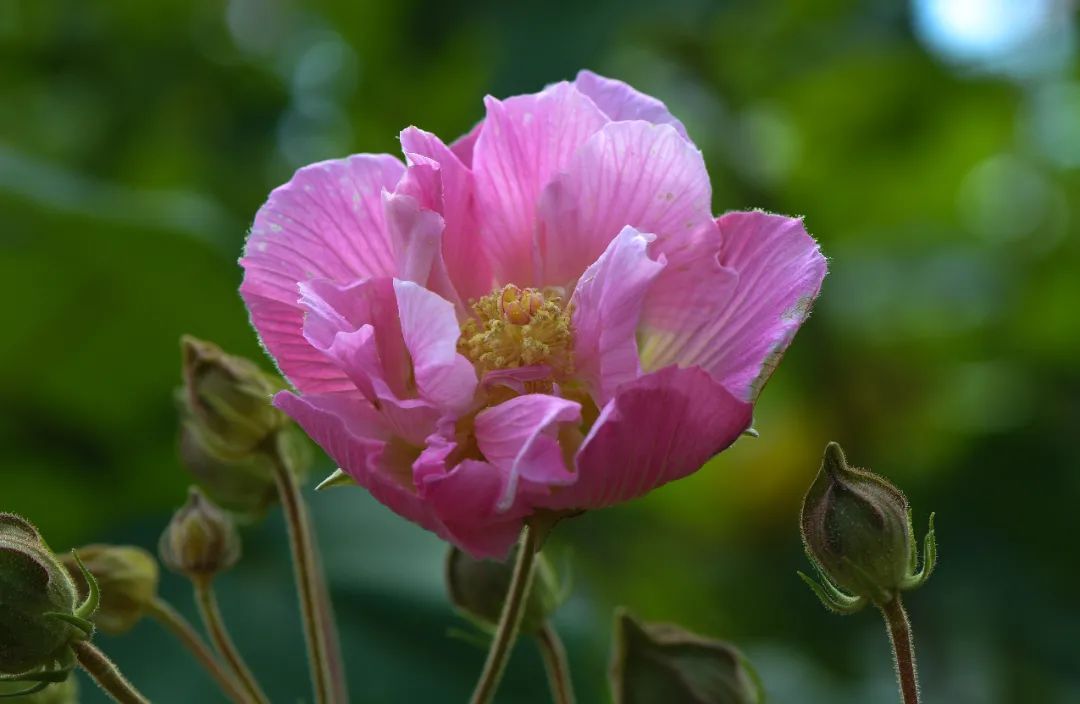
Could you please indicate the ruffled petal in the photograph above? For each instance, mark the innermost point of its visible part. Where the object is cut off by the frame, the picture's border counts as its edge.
(327, 222)
(620, 101)
(629, 173)
(520, 437)
(358, 328)
(465, 500)
(453, 197)
(607, 307)
(766, 272)
(525, 141)
(658, 428)
(430, 330)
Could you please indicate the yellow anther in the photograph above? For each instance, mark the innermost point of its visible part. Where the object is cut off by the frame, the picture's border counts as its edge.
(514, 327)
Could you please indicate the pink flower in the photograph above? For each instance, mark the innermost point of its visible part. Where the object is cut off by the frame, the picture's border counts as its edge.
(543, 315)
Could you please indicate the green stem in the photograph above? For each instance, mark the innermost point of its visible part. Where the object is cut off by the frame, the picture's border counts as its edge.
(510, 619)
(556, 664)
(219, 635)
(184, 632)
(314, 600)
(903, 647)
(106, 674)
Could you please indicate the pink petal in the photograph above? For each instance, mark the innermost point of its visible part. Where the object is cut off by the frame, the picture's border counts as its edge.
(766, 272)
(658, 428)
(523, 143)
(430, 330)
(327, 222)
(464, 145)
(417, 233)
(629, 173)
(357, 326)
(462, 251)
(355, 436)
(619, 101)
(607, 306)
(520, 437)
(465, 500)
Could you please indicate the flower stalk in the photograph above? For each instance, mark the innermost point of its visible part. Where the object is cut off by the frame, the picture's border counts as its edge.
(219, 634)
(107, 675)
(324, 652)
(903, 647)
(556, 665)
(510, 618)
(163, 612)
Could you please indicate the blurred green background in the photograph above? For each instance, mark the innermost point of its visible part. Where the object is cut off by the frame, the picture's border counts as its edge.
(934, 148)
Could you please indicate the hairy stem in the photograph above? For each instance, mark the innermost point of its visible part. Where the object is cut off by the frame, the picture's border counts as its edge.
(510, 619)
(106, 674)
(903, 647)
(324, 653)
(556, 665)
(184, 632)
(219, 635)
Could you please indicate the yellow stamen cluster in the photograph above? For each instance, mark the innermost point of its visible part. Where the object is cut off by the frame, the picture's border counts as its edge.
(514, 327)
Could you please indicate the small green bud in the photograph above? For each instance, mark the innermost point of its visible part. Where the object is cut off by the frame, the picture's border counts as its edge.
(231, 435)
(227, 400)
(856, 528)
(64, 692)
(39, 610)
(200, 540)
(478, 588)
(660, 662)
(128, 578)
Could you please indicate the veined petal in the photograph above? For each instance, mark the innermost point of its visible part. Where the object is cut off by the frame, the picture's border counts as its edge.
(766, 272)
(520, 437)
(327, 222)
(629, 173)
(659, 428)
(607, 307)
(357, 326)
(525, 141)
(465, 500)
(430, 330)
(620, 101)
(462, 250)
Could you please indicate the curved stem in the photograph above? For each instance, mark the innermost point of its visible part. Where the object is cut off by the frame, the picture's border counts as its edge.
(215, 626)
(556, 665)
(324, 655)
(184, 632)
(106, 674)
(903, 646)
(510, 619)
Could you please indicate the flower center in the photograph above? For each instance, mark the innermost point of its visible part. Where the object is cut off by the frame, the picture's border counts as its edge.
(514, 327)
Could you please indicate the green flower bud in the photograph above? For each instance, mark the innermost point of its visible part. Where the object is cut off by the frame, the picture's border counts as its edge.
(227, 401)
(856, 527)
(477, 588)
(128, 578)
(39, 610)
(65, 692)
(660, 662)
(200, 540)
(231, 436)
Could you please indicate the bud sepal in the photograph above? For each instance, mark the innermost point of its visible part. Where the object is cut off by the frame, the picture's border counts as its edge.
(858, 533)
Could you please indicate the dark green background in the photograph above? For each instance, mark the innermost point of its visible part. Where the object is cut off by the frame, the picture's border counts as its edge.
(138, 138)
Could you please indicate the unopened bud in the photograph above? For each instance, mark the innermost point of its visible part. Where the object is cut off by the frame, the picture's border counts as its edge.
(128, 578)
(200, 540)
(227, 400)
(39, 610)
(478, 589)
(856, 527)
(660, 662)
(63, 692)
